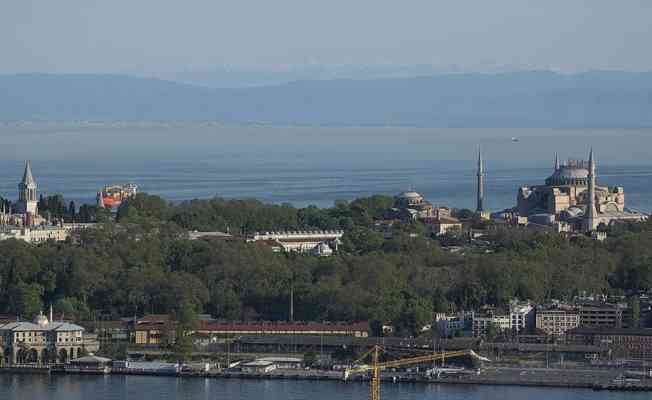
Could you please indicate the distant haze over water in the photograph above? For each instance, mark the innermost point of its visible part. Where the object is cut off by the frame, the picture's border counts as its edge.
(311, 165)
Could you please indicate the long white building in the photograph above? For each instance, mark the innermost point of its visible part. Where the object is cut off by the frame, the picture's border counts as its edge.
(321, 243)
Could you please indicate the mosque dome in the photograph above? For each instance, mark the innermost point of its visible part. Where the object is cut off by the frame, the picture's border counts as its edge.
(409, 198)
(573, 173)
(409, 195)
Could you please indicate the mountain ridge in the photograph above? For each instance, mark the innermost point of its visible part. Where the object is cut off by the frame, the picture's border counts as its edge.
(599, 99)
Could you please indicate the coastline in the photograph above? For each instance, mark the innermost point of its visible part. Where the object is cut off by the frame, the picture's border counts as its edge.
(552, 378)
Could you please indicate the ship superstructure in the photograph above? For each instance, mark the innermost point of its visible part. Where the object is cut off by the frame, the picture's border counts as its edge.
(112, 196)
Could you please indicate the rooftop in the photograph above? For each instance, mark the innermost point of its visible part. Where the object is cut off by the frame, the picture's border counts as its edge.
(25, 326)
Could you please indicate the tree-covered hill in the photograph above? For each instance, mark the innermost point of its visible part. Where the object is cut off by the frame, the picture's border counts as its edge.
(144, 264)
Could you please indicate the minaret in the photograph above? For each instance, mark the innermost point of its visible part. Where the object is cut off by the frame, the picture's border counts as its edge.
(480, 189)
(100, 200)
(591, 209)
(27, 202)
(556, 162)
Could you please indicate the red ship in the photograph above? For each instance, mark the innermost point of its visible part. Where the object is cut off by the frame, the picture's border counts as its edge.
(112, 196)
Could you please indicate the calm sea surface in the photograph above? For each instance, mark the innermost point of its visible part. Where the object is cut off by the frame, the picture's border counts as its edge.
(36, 387)
(312, 165)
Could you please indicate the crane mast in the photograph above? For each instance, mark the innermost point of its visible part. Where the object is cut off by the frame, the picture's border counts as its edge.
(376, 367)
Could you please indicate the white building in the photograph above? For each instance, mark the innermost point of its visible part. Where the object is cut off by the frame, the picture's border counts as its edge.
(321, 243)
(42, 341)
(258, 366)
(556, 321)
(284, 362)
(40, 233)
(448, 324)
(481, 324)
(519, 319)
(522, 316)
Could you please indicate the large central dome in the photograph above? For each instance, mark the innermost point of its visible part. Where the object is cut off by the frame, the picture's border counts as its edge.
(573, 173)
(408, 199)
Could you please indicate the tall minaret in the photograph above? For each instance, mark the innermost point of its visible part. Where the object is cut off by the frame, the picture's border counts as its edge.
(480, 176)
(3, 215)
(27, 202)
(591, 209)
(556, 162)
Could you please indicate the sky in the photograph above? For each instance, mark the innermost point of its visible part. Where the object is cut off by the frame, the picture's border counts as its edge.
(154, 37)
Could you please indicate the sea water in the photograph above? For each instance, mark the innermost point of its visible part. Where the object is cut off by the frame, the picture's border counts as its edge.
(312, 165)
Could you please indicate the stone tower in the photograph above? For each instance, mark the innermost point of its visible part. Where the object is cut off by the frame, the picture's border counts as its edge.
(27, 202)
(591, 217)
(480, 189)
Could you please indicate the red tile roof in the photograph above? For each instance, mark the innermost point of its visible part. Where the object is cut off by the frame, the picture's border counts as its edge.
(282, 326)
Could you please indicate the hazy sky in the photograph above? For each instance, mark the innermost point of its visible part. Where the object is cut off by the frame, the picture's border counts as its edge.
(154, 36)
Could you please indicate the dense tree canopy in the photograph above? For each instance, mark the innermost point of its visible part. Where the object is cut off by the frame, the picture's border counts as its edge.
(145, 264)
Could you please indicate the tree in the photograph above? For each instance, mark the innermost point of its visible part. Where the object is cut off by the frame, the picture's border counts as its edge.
(635, 305)
(26, 300)
(362, 240)
(72, 308)
(492, 332)
(72, 211)
(186, 319)
(416, 314)
(142, 206)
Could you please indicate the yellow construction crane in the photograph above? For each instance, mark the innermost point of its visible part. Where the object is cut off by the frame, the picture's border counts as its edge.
(375, 367)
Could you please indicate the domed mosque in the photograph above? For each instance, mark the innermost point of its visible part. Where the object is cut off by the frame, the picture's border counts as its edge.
(572, 195)
(413, 205)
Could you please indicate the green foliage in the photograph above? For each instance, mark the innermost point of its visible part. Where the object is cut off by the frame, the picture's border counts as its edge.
(635, 307)
(362, 240)
(185, 315)
(25, 299)
(73, 308)
(492, 332)
(417, 312)
(141, 207)
(145, 264)
(55, 206)
(114, 351)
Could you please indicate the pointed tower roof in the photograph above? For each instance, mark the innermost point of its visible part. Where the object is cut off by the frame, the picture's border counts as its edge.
(556, 161)
(591, 161)
(28, 178)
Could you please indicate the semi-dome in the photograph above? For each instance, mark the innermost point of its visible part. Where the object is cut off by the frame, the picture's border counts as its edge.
(573, 212)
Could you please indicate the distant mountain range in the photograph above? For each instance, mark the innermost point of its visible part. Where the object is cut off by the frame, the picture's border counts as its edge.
(523, 99)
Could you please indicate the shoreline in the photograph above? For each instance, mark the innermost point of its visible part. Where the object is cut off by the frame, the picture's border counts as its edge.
(573, 380)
